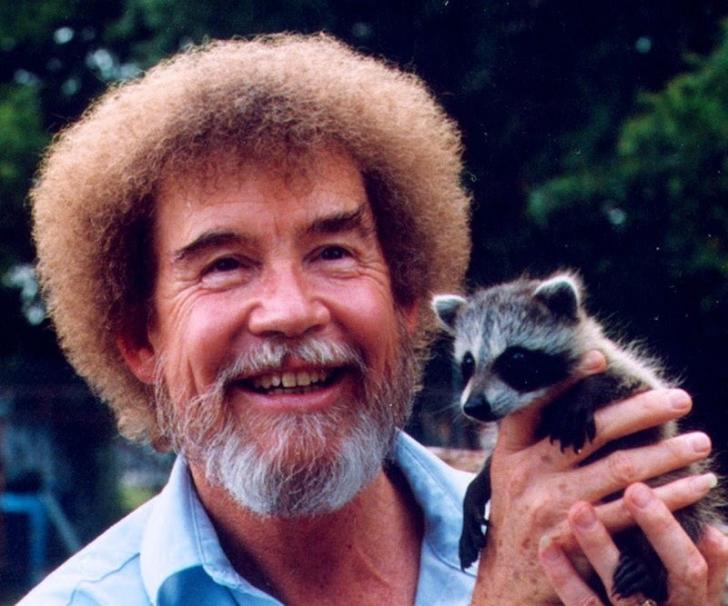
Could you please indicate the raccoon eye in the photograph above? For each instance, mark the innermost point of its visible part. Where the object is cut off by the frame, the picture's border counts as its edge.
(527, 370)
(467, 367)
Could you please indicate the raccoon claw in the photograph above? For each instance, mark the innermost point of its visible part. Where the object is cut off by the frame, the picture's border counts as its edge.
(572, 430)
(472, 541)
(578, 436)
(634, 575)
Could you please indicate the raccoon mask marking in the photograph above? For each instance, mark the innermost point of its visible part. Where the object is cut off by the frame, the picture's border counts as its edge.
(514, 341)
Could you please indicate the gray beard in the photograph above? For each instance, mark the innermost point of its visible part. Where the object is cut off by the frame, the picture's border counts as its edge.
(293, 465)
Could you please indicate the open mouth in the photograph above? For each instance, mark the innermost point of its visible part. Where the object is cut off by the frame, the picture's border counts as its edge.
(291, 382)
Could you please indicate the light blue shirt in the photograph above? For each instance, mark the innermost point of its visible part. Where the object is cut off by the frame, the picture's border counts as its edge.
(167, 552)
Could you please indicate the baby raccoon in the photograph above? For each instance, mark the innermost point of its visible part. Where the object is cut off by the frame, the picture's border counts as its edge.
(515, 341)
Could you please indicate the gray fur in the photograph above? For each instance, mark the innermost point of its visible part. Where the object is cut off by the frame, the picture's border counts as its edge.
(492, 319)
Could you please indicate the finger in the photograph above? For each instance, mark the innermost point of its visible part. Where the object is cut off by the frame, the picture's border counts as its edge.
(619, 469)
(517, 430)
(594, 540)
(686, 567)
(592, 362)
(676, 495)
(597, 545)
(569, 586)
(641, 411)
(714, 547)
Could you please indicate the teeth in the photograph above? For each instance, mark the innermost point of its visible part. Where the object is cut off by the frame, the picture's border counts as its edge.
(288, 379)
(302, 378)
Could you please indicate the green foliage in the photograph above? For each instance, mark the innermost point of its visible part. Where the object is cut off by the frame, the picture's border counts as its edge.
(31, 20)
(665, 188)
(21, 140)
(21, 133)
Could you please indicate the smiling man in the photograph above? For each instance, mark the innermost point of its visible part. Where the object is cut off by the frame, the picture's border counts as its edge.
(277, 329)
(237, 250)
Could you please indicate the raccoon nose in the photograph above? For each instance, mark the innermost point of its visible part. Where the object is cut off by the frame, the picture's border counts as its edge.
(478, 408)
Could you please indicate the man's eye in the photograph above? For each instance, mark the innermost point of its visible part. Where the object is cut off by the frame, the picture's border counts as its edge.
(334, 253)
(224, 264)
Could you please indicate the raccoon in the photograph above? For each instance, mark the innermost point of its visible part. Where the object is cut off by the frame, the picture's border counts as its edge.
(514, 341)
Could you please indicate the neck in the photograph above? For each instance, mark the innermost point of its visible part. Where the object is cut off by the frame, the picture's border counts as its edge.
(365, 553)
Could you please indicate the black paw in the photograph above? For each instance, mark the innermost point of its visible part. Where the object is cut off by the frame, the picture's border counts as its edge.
(635, 575)
(572, 429)
(472, 541)
(472, 538)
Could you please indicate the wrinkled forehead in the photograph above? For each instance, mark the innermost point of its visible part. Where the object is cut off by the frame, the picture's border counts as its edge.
(324, 182)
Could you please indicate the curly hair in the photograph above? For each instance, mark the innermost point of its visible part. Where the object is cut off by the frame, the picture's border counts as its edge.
(271, 96)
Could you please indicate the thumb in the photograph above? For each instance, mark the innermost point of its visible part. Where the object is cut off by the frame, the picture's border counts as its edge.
(517, 430)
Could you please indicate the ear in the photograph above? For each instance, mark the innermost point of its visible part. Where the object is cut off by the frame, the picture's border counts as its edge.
(141, 357)
(446, 308)
(561, 294)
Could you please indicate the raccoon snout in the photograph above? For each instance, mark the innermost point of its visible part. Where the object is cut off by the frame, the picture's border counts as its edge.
(478, 407)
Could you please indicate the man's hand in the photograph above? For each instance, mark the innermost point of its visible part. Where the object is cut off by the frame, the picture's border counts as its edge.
(696, 573)
(535, 486)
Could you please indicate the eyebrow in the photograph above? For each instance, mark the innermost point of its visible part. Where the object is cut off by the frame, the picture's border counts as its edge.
(334, 223)
(339, 222)
(206, 241)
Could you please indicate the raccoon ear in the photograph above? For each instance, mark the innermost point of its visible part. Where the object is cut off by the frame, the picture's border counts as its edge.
(446, 308)
(561, 294)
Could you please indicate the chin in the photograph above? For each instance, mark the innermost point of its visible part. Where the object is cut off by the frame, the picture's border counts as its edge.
(303, 471)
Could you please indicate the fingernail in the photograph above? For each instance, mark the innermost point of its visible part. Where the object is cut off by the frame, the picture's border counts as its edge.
(679, 399)
(700, 443)
(584, 516)
(547, 548)
(705, 482)
(640, 494)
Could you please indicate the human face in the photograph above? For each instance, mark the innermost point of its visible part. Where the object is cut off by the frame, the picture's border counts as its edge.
(255, 259)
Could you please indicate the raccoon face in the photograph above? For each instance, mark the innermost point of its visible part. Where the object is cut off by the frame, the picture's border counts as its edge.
(512, 342)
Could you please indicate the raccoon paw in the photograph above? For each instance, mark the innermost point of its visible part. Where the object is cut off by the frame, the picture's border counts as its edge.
(635, 575)
(572, 428)
(472, 541)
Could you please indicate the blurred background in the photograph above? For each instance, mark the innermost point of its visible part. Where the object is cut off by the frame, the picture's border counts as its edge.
(596, 137)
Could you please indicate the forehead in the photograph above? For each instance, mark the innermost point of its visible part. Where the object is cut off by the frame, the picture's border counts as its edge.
(506, 316)
(320, 182)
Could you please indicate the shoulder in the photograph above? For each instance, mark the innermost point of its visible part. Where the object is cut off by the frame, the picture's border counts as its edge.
(104, 572)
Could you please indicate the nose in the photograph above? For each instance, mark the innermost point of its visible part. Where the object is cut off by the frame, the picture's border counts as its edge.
(478, 407)
(287, 305)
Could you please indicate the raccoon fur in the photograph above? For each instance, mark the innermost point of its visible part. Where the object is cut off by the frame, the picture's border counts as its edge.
(514, 341)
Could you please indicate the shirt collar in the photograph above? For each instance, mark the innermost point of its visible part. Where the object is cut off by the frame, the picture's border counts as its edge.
(169, 544)
(180, 537)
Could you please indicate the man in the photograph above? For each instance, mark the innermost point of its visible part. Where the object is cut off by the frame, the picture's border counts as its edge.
(237, 252)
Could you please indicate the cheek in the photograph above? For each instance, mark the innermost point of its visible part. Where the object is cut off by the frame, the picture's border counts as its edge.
(369, 315)
(195, 343)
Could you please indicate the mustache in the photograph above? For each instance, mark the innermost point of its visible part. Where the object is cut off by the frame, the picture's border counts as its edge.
(267, 356)
(272, 354)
